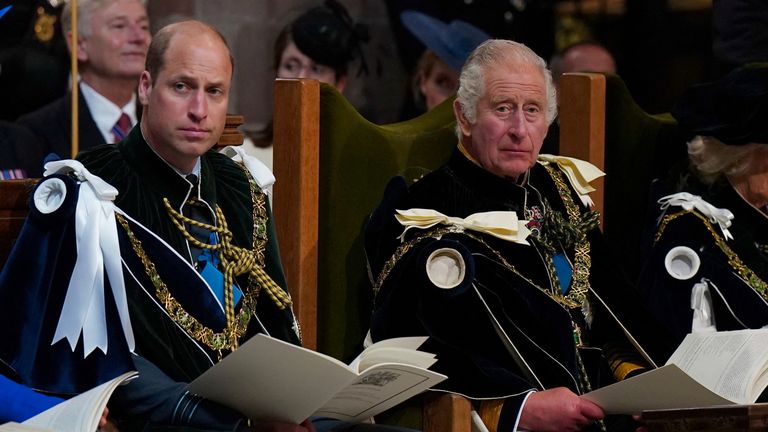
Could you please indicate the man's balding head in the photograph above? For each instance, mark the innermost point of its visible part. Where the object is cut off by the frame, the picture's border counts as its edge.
(162, 39)
(588, 57)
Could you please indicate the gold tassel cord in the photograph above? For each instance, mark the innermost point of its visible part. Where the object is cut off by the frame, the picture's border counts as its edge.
(219, 342)
(235, 260)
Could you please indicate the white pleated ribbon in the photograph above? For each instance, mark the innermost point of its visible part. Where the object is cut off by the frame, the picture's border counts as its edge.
(580, 174)
(501, 224)
(721, 216)
(98, 249)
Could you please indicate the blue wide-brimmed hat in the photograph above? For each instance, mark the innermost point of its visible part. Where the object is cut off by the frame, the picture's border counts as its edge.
(733, 109)
(452, 43)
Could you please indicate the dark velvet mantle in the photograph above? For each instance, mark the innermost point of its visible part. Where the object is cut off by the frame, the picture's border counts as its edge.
(33, 285)
(469, 347)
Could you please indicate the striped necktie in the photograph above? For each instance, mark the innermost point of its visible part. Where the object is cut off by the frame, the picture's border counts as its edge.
(122, 127)
(199, 211)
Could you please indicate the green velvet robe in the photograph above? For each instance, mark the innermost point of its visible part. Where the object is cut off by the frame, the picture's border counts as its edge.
(143, 180)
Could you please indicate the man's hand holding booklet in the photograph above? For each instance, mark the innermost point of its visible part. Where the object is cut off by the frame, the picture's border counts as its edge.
(707, 369)
(268, 379)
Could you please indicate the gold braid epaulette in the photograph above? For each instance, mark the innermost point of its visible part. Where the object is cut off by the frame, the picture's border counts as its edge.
(734, 261)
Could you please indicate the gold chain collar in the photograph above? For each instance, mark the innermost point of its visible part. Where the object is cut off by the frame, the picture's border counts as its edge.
(239, 261)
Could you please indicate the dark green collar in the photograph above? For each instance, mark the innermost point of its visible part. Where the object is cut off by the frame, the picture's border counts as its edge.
(165, 181)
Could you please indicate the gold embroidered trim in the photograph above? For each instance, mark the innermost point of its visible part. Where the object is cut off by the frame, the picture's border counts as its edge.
(734, 261)
(582, 262)
(260, 234)
(437, 234)
(259, 200)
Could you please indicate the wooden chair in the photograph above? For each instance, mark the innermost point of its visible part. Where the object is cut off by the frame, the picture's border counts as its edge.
(14, 206)
(331, 167)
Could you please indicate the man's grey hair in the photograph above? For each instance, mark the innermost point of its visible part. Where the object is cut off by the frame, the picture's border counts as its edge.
(711, 158)
(85, 9)
(489, 54)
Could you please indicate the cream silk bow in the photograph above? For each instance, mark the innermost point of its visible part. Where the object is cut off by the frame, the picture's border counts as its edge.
(721, 216)
(501, 224)
(580, 173)
(98, 249)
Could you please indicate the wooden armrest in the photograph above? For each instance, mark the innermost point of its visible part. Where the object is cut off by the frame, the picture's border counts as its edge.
(446, 412)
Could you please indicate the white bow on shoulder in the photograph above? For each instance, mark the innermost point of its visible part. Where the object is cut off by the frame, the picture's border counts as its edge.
(501, 224)
(98, 249)
(721, 216)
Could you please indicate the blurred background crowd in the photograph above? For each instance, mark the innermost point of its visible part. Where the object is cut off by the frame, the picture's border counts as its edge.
(660, 46)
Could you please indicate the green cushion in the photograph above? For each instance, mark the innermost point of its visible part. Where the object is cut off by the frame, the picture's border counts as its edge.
(357, 159)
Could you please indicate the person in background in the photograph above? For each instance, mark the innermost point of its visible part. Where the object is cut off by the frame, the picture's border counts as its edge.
(319, 44)
(585, 56)
(707, 264)
(498, 259)
(113, 37)
(447, 48)
(33, 55)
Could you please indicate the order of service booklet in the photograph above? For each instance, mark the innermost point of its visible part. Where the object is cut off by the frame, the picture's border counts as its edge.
(80, 413)
(268, 379)
(707, 369)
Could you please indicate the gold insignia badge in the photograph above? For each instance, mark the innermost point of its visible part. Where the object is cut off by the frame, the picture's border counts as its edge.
(44, 26)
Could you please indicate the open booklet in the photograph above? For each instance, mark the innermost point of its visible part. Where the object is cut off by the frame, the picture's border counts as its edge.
(80, 413)
(268, 379)
(707, 369)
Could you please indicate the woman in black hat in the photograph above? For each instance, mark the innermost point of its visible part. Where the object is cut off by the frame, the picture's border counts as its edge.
(319, 44)
(708, 264)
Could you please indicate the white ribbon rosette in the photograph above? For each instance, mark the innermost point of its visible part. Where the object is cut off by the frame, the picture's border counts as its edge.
(580, 174)
(98, 249)
(720, 216)
(501, 224)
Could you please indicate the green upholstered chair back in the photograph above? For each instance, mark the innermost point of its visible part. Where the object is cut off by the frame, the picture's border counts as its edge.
(357, 159)
(354, 160)
(600, 122)
(639, 148)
